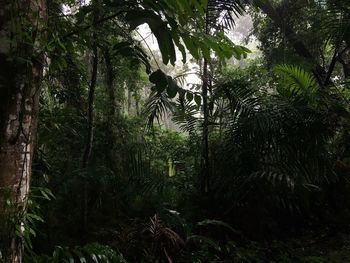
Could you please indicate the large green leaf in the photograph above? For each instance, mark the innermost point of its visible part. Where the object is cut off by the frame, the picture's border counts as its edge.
(191, 45)
(158, 27)
(198, 99)
(189, 96)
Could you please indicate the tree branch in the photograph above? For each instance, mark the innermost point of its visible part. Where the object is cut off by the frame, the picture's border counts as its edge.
(95, 23)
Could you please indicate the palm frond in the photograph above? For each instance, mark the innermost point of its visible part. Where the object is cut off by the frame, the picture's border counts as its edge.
(186, 117)
(157, 105)
(220, 13)
(240, 101)
(297, 78)
(272, 144)
(164, 243)
(334, 20)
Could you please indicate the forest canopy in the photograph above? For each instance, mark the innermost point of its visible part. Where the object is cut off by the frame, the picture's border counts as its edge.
(174, 131)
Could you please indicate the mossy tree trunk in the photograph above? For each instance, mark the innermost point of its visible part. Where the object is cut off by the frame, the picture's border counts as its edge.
(21, 70)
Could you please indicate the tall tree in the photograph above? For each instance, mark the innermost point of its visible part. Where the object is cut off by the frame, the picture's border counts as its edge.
(90, 114)
(21, 62)
(217, 18)
(205, 171)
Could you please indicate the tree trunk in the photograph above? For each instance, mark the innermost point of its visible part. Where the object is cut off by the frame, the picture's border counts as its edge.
(90, 135)
(111, 115)
(344, 60)
(90, 116)
(20, 77)
(205, 132)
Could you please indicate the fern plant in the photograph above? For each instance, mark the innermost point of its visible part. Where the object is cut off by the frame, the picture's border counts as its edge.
(275, 150)
(91, 253)
(297, 78)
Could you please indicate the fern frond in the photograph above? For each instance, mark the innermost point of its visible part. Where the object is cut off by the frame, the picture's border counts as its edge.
(89, 253)
(297, 78)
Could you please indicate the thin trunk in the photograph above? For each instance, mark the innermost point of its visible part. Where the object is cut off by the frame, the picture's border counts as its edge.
(344, 60)
(331, 67)
(110, 132)
(205, 132)
(90, 135)
(109, 81)
(129, 101)
(205, 135)
(19, 101)
(346, 68)
(137, 103)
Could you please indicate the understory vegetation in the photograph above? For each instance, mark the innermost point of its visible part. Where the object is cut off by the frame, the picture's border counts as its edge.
(240, 153)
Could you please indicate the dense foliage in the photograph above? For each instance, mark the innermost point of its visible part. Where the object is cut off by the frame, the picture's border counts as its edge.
(133, 163)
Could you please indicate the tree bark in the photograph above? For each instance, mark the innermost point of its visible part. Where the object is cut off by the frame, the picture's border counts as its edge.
(21, 70)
